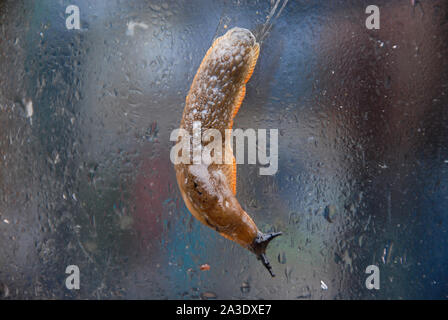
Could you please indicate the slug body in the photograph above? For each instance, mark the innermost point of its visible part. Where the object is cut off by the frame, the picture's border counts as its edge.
(215, 96)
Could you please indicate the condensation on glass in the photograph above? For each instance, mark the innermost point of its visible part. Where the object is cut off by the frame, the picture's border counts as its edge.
(86, 178)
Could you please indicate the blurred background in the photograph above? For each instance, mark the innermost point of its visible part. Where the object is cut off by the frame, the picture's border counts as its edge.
(86, 180)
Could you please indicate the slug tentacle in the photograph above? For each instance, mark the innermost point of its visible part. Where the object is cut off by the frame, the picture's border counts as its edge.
(215, 96)
(259, 248)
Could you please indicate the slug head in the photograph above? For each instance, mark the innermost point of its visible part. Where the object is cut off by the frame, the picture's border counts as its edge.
(259, 248)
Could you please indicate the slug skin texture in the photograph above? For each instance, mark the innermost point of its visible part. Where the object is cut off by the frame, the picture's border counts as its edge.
(215, 96)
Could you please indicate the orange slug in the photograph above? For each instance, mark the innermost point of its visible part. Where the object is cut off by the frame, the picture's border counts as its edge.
(216, 94)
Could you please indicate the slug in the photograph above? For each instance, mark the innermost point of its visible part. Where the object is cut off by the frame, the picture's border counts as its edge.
(215, 96)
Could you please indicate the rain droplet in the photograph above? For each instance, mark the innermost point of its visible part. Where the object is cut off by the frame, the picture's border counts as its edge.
(323, 285)
(245, 287)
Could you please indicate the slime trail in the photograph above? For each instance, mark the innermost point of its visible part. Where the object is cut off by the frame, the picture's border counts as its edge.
(267, 25)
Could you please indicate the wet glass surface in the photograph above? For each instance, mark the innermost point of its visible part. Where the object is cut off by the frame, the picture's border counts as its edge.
(86, 178)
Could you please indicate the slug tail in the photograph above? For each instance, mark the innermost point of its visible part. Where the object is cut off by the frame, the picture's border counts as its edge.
(259, 248)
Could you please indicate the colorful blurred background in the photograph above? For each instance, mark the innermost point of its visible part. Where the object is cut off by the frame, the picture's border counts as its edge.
(86, 179)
